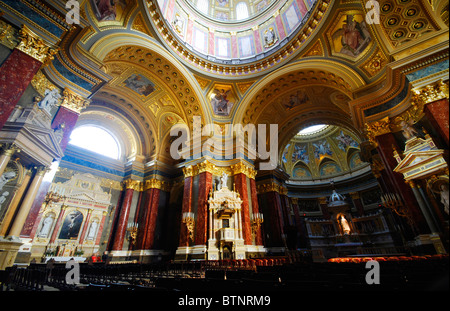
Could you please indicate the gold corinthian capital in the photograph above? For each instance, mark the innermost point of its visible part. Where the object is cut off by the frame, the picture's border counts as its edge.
(74, 101)
(32, 45)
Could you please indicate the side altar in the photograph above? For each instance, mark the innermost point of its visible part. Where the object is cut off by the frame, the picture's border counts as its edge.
(225, 238)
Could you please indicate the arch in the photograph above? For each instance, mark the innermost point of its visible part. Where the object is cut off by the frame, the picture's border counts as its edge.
(98, 139)
(344, 79)
(108, 43)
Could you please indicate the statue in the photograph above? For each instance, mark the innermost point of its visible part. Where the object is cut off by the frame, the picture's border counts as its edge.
(408, 130)
(444, 197)
(48, 221)
(92, 230)
(344, 225)
(223, 180)
(50, 100)
(6, 177)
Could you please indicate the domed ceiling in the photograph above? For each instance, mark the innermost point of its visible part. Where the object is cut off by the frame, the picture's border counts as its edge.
(237, 37)
(321, 153)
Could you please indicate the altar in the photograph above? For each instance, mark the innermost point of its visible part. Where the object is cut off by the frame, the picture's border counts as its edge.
(225, 239)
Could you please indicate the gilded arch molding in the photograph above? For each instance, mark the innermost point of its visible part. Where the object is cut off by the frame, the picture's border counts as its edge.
(305, 73)
(194, 105)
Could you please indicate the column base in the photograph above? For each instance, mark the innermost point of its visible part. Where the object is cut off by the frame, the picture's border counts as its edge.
(9, 248)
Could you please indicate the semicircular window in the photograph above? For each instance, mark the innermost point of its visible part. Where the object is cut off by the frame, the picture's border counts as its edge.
(95, 139)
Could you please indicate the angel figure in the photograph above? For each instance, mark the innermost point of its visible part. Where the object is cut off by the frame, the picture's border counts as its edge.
(220, 103)
(408, 130)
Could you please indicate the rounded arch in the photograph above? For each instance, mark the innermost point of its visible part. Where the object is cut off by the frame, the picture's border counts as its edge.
(323, 72)
(128, 132)
(106, 44)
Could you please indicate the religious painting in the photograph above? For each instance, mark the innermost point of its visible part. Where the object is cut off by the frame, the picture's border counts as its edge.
(8, 182)
(140, 84)
(355, 161)
(261, 5)
(322, 148)
(223, 16)
(329, 168)
(301, 173)
(219, 102)
(351, 36)
(71, 226)
(296, 99)
(223, 3)
(107, 10)
(300, 153)
(345, 141)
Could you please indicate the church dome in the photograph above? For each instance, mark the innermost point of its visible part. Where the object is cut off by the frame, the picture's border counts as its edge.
(320, 153)
(236, 38)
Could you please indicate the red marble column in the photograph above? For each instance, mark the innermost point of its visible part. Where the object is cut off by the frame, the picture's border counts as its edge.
(151, 215)
(275, 219)
(255, 209)
(16, 73)
(240, 181)
(69, 118)
(57, 224)
(86, 225)
(100, 229)
(438, 114)
(201, 222)
(123, 220)
(187, 203)
(386, 143)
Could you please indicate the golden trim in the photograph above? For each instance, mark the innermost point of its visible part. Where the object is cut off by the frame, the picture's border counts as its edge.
(73, 101)
(32, 45)
(157, 184)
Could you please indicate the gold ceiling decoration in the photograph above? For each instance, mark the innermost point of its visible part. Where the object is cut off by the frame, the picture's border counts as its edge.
(161, 72)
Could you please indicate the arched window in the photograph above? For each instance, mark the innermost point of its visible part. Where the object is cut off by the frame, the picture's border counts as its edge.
(203, 6)
(95, 139)
(241, 11)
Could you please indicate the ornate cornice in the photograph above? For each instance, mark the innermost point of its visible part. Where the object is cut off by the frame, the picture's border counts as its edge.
(271, 187)
(157, 184)
(241, 168)
(132, 184)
